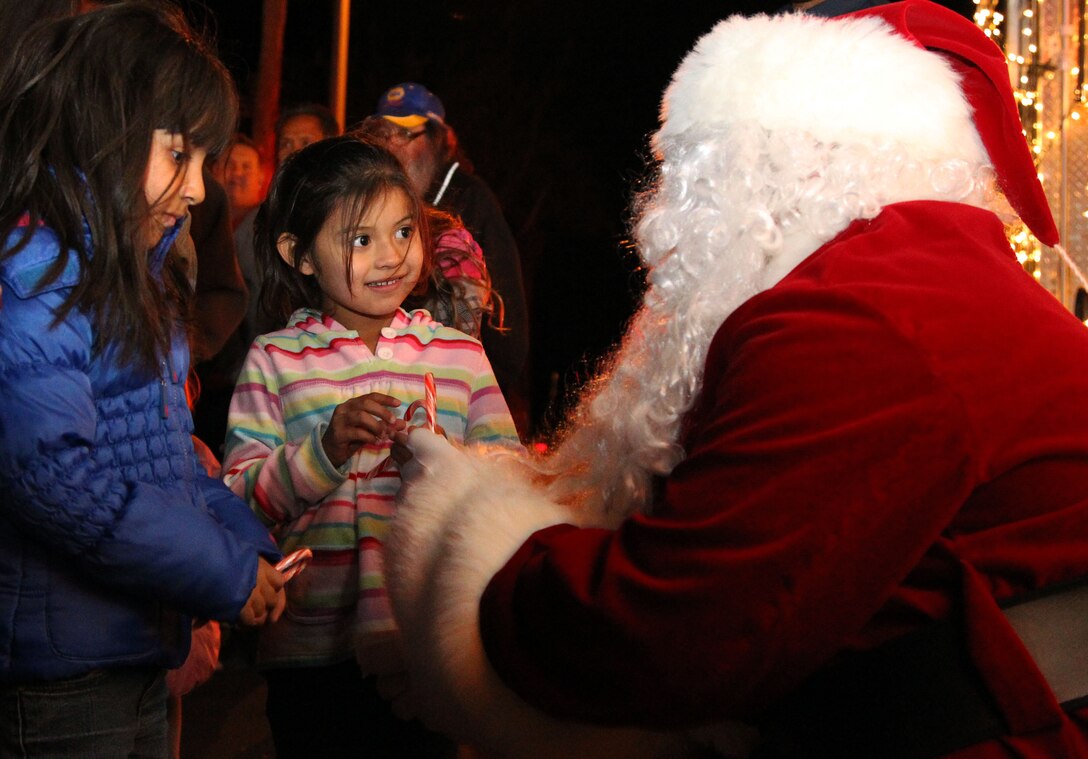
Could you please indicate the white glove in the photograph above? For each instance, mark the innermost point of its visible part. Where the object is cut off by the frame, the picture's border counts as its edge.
(430, 454)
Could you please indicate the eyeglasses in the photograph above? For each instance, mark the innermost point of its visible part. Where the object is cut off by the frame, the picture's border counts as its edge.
(386, 132)
(403, 136)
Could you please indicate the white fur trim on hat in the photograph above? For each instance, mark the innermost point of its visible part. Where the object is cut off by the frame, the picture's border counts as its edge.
(842, 80)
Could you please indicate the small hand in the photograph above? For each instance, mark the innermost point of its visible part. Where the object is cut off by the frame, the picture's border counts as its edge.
(267, 600)
(356, 422)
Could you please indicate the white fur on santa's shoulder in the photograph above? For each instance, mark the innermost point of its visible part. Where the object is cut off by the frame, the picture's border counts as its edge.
(457, 525)
(840, 80)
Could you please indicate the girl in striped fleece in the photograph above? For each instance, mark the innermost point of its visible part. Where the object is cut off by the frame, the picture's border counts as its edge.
(343, 240)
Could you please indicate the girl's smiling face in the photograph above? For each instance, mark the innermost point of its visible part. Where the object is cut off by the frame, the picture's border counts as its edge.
(385, 262)
(172, 183)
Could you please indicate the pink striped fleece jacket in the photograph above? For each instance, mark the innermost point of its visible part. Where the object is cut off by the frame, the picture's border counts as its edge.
(291, 382)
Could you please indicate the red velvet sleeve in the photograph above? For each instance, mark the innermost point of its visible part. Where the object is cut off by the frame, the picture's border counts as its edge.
(824, 458)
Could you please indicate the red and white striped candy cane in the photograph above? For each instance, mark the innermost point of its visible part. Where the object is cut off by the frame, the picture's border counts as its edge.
(430, 400)
(429, 403)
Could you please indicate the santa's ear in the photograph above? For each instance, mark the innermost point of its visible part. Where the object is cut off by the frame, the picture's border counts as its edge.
(285, 245)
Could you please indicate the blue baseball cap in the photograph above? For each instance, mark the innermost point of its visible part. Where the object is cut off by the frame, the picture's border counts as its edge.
(409, 104)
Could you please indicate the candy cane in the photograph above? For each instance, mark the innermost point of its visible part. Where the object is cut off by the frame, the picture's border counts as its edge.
(429, 403)
(430, 400)
(294, 563)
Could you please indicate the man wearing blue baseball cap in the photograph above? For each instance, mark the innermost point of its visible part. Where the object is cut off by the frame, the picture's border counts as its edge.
(444, 176)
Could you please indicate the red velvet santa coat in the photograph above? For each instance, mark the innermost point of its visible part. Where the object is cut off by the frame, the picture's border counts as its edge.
(903, 416)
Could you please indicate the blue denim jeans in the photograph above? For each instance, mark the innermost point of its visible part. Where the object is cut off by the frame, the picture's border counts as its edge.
(105, 714)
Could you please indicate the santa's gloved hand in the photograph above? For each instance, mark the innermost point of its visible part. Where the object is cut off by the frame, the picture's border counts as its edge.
(418, 451)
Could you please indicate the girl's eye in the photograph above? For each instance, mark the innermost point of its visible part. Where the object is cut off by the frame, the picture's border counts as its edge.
(360, 241)
(404, 233)
(179, 156)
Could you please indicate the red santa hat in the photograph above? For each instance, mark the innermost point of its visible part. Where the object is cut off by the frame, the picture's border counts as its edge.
(913, 73)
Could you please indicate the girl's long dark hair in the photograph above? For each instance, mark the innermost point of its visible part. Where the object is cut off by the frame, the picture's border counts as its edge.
(80, 98)
(336, 175)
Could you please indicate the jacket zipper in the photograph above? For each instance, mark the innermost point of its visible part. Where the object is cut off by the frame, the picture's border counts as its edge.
(164, 393)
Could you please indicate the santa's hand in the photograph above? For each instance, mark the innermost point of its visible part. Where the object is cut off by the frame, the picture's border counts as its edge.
(419, 452)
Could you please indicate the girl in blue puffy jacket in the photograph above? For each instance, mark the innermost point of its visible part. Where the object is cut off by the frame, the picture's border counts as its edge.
(112, 537)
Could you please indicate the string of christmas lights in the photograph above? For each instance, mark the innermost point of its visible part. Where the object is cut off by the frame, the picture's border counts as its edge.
(1014, 31)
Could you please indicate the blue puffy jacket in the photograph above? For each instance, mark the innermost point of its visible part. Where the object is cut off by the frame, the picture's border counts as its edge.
(111, 534)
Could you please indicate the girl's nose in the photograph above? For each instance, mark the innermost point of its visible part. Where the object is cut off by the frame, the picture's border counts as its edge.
(193, 190)
(389, 255)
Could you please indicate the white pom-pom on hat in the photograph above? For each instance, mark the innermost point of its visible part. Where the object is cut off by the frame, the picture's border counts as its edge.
(913, 73)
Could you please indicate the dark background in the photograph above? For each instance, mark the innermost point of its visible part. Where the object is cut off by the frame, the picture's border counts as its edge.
(554, 102)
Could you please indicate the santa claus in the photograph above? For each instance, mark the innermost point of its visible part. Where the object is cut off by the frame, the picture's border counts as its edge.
(834, 484)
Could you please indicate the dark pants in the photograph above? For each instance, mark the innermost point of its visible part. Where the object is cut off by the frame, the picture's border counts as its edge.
(105, 714)
(335, 712)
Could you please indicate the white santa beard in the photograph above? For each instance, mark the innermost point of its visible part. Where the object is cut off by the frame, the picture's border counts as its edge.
(733, 213)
